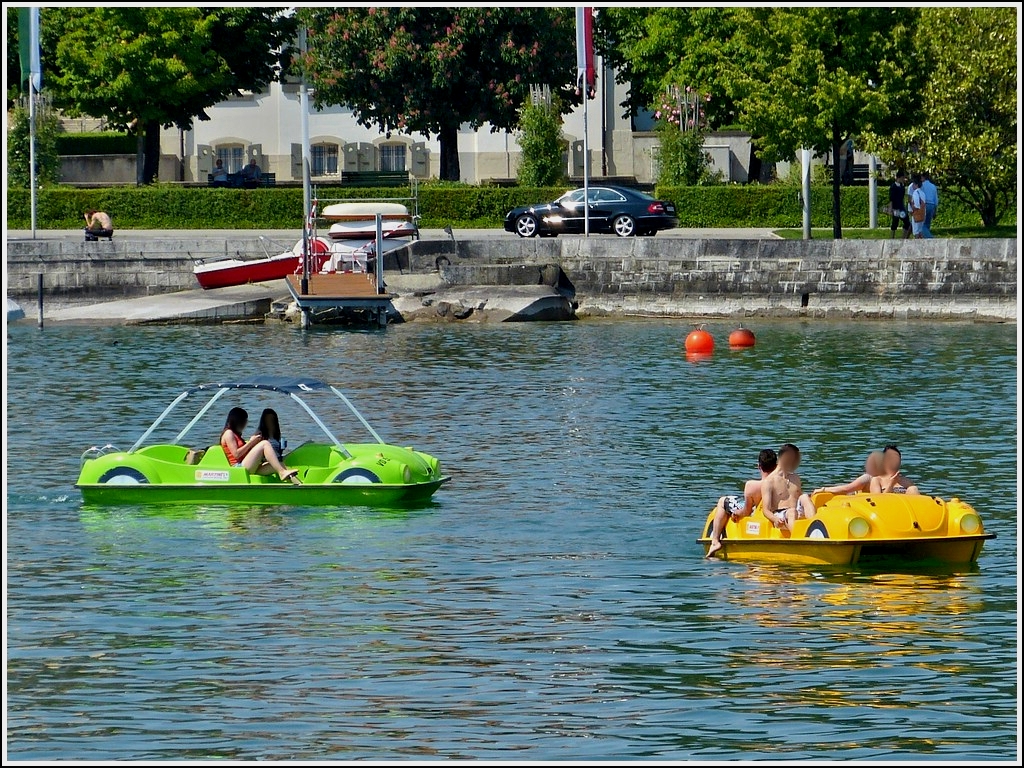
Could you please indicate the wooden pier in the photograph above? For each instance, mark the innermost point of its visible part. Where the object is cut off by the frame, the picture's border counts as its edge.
(352, 293)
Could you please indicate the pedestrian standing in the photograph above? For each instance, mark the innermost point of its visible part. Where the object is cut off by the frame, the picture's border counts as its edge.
(918, 208)
(931, 202)
(898, 206)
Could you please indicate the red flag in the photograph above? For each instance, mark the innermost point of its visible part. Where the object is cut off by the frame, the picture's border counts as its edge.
(585, 72)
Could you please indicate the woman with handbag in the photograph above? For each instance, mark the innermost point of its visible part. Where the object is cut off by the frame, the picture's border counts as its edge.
(918, 206)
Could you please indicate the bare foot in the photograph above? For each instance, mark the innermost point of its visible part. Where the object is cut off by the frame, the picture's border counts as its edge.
(715, 546)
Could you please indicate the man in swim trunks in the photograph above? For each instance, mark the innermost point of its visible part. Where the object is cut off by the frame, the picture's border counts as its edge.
(734, 507)
(782, 499)
(892, 480)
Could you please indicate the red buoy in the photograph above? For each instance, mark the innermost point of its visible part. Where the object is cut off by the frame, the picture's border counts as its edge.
(741, 337)
(700, 342)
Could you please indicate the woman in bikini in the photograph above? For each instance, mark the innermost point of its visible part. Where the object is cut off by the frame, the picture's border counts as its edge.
(255, 454)
(892, 480)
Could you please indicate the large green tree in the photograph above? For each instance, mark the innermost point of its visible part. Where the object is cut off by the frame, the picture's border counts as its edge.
(141, 68)
(432, 69)
(813, 77)
(965, 134)
(654, 49)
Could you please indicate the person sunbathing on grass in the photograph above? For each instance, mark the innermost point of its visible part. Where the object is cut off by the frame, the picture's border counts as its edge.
(256, 454)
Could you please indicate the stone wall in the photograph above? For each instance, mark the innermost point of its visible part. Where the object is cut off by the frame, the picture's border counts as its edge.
(111, 169)
(122, 267)
(876, 278)
(975, 278)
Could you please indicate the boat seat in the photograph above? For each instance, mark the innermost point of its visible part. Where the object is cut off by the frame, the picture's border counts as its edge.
(215, 458)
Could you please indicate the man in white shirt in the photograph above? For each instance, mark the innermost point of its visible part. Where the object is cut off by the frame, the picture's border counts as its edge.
(931, 202)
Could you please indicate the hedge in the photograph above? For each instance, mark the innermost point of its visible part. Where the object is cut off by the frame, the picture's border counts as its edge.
(779, 205)
(107, 143)
(172, 207)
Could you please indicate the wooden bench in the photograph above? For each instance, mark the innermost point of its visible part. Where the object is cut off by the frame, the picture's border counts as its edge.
(236, 181)
(375, 178)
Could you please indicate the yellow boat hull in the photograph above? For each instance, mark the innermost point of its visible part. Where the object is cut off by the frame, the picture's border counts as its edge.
(860, 528)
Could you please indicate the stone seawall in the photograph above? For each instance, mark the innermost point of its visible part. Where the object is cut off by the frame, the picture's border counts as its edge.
(966, 278)
(962, 278)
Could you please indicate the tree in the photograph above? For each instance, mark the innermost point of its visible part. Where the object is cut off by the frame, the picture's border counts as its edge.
(682, 159)
(812, 77)
(432, 69)
(143, 68)
(541, 144)
(13, 60)
(965, 134)
(48, 125)
(653, 49)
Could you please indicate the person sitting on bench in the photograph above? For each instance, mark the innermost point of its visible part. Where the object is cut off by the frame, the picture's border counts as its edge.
(97, 225)
(251, 174)
(219, 177)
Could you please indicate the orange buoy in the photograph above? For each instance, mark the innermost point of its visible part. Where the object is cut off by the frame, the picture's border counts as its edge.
(741, 337)
(700, 342)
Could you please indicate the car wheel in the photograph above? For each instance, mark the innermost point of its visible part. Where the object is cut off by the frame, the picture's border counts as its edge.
(526, 225)
(624, 226)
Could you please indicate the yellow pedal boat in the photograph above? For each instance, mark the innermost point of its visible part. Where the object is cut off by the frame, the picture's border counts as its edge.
(858, 528)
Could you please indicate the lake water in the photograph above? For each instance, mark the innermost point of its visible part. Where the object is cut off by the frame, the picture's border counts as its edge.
(550, 602)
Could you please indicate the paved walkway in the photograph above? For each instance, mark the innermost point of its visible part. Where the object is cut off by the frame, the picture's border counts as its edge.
(290, 235)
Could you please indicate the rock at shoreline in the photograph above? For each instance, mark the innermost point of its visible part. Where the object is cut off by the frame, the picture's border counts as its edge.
(486, 304)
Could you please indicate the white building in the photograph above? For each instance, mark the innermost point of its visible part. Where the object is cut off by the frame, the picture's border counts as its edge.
(267, 126)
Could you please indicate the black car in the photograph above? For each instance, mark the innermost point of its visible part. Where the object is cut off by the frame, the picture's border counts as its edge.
(626, 212)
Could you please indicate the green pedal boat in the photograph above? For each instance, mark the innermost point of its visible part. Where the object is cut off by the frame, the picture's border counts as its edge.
(331, 473)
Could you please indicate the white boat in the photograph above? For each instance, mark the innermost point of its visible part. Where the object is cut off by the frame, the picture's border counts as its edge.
(367, 210)
(357, 221)
(14, 311)
(363, 229)
(353, 233)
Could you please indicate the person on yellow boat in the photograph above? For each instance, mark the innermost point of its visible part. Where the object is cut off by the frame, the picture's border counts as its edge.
(892, 480)
(734, 507)
(873, 467)
(782, 498)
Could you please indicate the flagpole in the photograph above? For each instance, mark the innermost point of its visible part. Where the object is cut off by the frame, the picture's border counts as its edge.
(32, 149)
(586, 165)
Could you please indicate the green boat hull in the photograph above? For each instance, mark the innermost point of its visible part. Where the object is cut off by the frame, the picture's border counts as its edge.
(371, 474)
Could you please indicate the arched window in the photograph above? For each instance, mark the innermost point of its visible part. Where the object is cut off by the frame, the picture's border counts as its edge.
(324, 159)
(392, 157)
(233, 156)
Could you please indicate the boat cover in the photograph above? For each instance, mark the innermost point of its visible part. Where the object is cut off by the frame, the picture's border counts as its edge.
(287, 384)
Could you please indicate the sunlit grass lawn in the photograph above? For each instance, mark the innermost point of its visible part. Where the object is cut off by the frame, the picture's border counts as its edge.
(881, 233)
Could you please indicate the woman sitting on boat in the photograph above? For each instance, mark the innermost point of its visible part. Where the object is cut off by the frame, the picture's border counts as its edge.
(892, 480)
(255, 454)
(270, 429)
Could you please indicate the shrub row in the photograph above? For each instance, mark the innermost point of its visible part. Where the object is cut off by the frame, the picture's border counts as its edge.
(780, 206)
(107, 143)
(173, 207)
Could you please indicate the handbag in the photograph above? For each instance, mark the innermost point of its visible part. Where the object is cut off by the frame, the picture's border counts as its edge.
(919, 213)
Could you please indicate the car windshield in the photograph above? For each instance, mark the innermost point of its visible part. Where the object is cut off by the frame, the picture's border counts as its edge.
(642, 195)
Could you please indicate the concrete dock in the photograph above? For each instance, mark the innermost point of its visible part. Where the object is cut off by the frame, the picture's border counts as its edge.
(219, 305)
